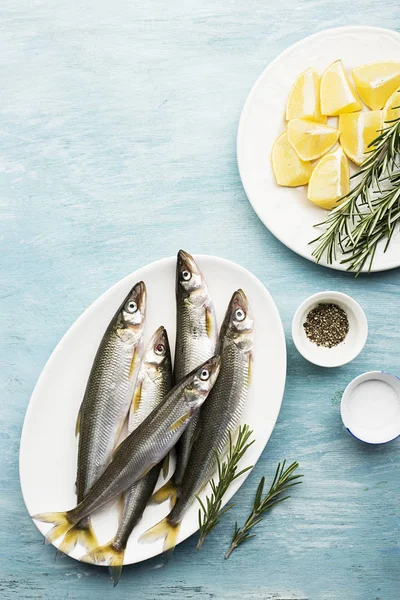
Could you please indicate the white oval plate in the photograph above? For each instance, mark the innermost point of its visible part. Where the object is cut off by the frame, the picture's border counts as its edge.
(48, 449)
(286, 211)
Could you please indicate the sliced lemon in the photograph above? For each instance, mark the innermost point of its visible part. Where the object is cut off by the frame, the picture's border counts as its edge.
(330, 180)
(391, 109)
(303, 99)
(337, 93)
(310, 139)
(289, 169)
(376, 82)
(357, 131)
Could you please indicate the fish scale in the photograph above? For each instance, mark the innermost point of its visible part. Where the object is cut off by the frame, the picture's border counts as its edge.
(144, 448)
(105, 405)
(106, 402)
(196, 339)
(219, 416)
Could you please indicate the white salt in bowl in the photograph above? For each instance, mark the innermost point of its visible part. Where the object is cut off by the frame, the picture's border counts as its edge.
(370, 407)
(344, 352)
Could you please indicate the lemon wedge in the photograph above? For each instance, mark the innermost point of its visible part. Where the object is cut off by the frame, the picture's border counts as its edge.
(289, 169)
(376, 82)
(310, 139)
(391, 109)
(357, 131)
(303, 99)
(330, 180)
(337, 93)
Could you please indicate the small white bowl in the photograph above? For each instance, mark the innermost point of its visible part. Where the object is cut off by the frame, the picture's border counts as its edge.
(344, 352)
(370, 407)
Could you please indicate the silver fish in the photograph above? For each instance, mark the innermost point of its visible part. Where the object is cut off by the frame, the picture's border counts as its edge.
(196, 338)
(153, 384)
(220, 415)
(143, 449)
(106, 402)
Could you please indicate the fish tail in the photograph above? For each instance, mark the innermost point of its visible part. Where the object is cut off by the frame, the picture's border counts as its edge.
(167, 491)
(81, 533)
(115, 573)
(60, 521)
(165, 466)
(107, 555)
(164, 530)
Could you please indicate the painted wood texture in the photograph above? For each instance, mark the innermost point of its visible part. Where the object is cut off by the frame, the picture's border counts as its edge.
(117, 126)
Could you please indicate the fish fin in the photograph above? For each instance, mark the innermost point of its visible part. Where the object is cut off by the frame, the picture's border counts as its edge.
(164, 530)
(181, 421)
(121, 504)
(78, 422)
(115, 573)
(209, 322)
(117, 443)
(147, 471)
(137, 396)
(165, 466)
(109, 556)
(83, 535)
(167, 491)
(196, 432)
(60, 521)
(135, 358)
(250, 369)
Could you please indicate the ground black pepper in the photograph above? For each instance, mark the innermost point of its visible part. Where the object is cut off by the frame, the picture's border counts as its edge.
(326, 325)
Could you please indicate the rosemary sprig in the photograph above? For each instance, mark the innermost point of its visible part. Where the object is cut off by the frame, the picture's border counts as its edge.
(210, 511)
(341, 225)
(380, 223)
(283, 480)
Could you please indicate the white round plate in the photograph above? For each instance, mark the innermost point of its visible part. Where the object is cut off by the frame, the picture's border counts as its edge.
(286, 211)
(48, 449)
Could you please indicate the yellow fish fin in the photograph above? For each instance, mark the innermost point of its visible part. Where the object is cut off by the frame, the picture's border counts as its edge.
(181, 421)
(136, 398)
(107, 555)
(79, 534)
(78, 422)
(121, 504)
(209, 322)
(167, 491)
(60, 521)
(250, 369)
(163, 530)
(135, 358)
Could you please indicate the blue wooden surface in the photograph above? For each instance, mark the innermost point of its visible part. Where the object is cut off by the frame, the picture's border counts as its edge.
(117, 147)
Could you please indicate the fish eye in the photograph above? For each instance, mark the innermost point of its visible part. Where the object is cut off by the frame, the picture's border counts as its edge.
(204, 375)
(159, 349)
(186, 275)
(131, 306)
(239, 314)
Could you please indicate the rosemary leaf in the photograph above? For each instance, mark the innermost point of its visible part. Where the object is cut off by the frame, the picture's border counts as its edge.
(210, 512)
(283, 480)
(361, 219)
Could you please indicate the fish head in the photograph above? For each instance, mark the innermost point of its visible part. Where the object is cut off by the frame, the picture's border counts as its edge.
(190, 282)
(133, 311)
(158, 352)
(238, 322)
(201, 382)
